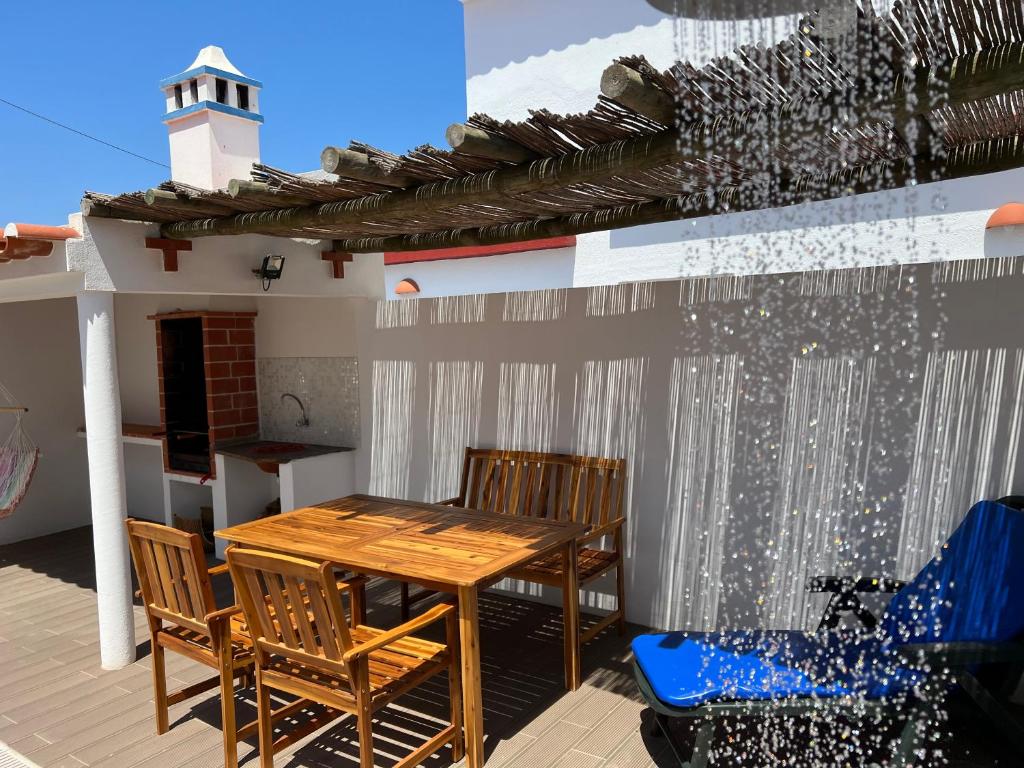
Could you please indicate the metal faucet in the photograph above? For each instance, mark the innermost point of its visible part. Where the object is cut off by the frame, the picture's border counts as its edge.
(304, 421)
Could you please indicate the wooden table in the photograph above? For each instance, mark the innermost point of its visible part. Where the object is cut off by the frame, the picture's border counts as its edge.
(448, 549)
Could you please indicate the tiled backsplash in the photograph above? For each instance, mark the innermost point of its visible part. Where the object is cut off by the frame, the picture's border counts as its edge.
(327, 386)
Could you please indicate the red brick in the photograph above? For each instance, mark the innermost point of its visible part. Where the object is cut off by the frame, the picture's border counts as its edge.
(247, 430)
(218, 370)
(244, 400)
(220, 354)
(215, 337)
(250, 415)
(220, 402)
(222, 433)
(244, 322)
(246, 352)
(248, 368)
(247, 384)
(225, 418)
(223, 386)
(219, 322)
(241, 336)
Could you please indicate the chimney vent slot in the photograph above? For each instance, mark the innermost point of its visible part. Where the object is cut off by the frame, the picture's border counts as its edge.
(242, 92)
(193, 91)
(179, 101)
(222, 91)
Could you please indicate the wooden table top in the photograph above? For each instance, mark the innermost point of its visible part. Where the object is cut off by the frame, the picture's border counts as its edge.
(430, 544)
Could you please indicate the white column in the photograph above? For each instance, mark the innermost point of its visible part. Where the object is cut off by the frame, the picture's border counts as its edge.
(102, 398)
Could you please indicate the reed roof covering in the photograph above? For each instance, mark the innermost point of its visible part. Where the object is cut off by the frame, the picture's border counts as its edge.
(931, 90)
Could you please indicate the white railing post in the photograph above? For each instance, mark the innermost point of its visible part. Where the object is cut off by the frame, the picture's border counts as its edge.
(102, 399)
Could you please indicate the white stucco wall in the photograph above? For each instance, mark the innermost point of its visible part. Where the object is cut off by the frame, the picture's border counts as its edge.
(40, 365)
(113, 256)
(776, 426)
(525, 271)
(316, 327)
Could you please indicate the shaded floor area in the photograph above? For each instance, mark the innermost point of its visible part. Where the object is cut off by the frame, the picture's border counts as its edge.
(58, 708)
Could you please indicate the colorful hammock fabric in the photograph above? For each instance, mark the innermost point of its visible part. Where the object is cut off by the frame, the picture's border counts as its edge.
(18, 459)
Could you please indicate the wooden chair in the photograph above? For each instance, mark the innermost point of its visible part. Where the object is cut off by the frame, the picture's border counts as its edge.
(183, 617)
(554, 486)
(304, 647)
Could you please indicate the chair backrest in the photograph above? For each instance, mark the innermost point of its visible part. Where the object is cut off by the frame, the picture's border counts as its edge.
(972, 590)
(292, 606)
(556, 486)
(171, 567)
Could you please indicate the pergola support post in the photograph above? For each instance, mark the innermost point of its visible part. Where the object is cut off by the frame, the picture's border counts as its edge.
(102, 398)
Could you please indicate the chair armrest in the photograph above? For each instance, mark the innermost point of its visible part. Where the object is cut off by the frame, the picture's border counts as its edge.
(351, 583)
(601, 530)
(865, 584)
(223, 614)
(845, 598)
(403, 630)
(450, 502)
(217, 570)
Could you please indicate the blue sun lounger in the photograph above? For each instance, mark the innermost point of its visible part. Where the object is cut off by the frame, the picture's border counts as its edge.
(962, 615)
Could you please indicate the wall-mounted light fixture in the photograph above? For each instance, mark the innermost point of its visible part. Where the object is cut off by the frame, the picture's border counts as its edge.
(270, 269)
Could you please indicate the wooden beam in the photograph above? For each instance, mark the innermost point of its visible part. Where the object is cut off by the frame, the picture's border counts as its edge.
(163, 199)
(468, 140)
(263, 193)
(587, 165)
(730, 199)
(99, 210)
(350, 164)
(628, 87)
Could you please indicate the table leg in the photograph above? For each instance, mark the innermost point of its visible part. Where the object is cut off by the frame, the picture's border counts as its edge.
(472, 691)
(571, 616)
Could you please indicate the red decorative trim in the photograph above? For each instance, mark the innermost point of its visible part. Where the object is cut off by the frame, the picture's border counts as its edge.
(18, 249)
(170, 250)
(1009, 215)
(474, 251)
(337, 259)
(23, 241)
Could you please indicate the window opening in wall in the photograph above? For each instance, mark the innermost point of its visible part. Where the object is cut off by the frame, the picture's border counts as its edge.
(179, 100)
(242, 92)
(222, 91)
(193, 91)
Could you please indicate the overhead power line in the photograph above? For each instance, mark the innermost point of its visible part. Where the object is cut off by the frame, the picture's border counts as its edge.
(83, 133)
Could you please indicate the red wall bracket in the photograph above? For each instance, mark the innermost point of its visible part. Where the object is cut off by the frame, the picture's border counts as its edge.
(337, 259)
(170, 250)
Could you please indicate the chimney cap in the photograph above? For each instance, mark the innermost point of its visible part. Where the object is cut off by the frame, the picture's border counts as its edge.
(211, 60)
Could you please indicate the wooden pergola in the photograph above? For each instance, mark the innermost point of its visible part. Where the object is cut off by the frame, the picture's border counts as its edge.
(932, 91)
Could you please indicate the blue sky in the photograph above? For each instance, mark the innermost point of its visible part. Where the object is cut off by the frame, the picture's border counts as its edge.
(387, 72)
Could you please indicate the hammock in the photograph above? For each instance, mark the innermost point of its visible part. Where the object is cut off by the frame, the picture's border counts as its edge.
(18, 458)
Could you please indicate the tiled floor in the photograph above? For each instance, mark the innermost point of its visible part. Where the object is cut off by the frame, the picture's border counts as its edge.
(58, 708)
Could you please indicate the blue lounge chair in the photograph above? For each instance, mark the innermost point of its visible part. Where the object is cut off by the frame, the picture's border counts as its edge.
(962, 615)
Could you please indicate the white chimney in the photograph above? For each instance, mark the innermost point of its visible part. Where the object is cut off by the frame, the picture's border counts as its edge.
(213, 121)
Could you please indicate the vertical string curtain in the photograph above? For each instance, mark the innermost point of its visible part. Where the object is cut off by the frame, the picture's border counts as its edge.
(18, 457)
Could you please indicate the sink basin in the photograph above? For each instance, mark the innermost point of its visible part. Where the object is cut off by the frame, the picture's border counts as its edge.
(276, 448)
